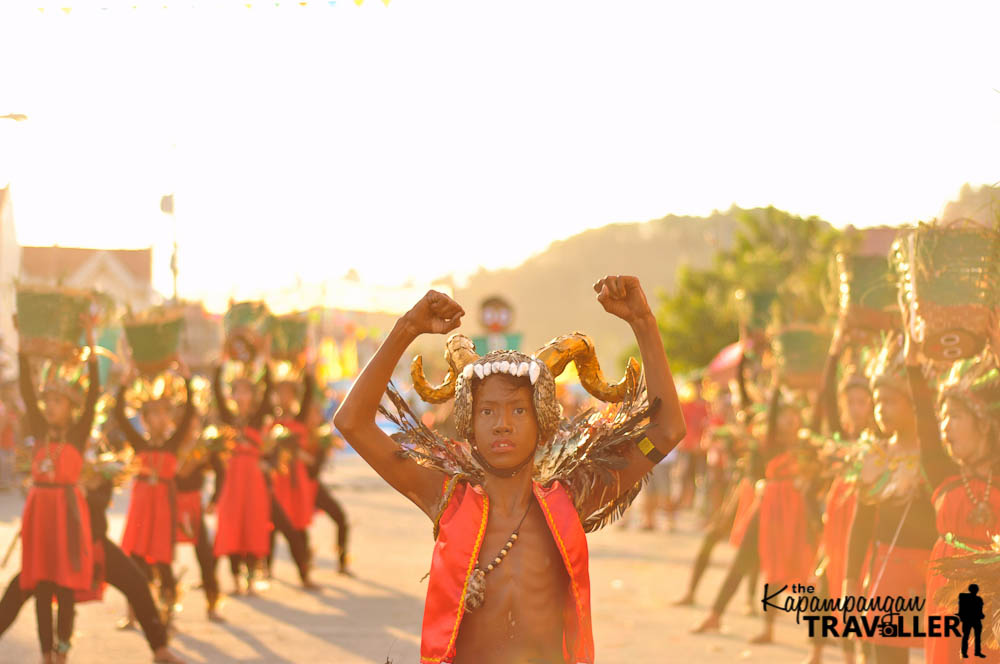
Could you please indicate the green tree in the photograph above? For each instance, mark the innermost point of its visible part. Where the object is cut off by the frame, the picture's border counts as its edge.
(772, 251)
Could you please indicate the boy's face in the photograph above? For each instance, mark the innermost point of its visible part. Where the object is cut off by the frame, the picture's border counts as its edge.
(504, 424)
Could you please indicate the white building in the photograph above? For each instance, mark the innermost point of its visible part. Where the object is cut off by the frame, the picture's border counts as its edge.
(124, 274)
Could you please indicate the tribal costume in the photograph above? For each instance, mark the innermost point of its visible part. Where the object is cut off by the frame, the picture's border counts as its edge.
(56, 544)
(893, 526)
(244, 509)
(579, 461)
(967, 506)
(151, 525)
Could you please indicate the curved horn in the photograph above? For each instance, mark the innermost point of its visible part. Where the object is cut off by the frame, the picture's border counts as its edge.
(579, 349)
(459, 351)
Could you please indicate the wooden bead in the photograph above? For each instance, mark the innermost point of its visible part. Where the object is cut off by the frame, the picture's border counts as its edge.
(489, 568)
(496, 561)
(503, 553)
(514, 537)
(508, 545)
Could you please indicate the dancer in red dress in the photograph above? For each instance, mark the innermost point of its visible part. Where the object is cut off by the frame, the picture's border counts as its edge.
(150, 527)
(56, 544)
(894, 517)
(848, 409)
(293, 491)
(789, 523)
(244, 509)
(963, 470)
(194, 464)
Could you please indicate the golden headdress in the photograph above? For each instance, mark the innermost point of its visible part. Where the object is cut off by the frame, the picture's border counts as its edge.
(541, 370)
(65, 378)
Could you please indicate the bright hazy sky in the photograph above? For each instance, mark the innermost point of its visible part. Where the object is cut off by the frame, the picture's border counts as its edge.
(434, 136)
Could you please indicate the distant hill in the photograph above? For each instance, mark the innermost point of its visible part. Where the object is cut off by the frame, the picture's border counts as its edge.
(552, 294)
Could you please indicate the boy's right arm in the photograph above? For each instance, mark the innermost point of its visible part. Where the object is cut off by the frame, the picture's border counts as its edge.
(355, 418)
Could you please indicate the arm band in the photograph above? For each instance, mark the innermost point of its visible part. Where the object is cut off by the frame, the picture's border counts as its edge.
(649, 450)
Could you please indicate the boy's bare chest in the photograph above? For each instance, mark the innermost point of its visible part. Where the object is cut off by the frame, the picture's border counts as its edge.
(525, 593)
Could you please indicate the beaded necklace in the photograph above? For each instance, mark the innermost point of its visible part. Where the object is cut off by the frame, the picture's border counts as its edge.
(475, 593)
(982, 513)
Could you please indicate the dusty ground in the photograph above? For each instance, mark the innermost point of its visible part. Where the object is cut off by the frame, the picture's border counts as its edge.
(376, 616)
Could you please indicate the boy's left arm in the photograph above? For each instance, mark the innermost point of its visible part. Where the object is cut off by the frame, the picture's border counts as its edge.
(622, 296)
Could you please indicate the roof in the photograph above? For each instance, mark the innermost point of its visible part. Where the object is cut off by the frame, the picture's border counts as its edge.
(52, 263)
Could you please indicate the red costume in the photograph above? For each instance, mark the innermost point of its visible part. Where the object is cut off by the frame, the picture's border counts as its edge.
(149, 528)
(244, 508)
(786, 549)
(294, 490)
(152, 511)
(841, 503)
(56, 543)
(953, 509)
(188, 516)
(461, 528)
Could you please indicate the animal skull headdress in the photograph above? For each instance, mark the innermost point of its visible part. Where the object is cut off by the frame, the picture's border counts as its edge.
(541, 369)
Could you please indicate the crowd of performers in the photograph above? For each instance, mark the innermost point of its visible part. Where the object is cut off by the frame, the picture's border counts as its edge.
(874, 480)
(261, 439)
(869, 485)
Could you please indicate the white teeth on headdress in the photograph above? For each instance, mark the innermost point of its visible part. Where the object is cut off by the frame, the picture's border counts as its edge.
(487, 369)
(522, 369)
(467, 371)
(479, 370)
(496, 367)
(512, 369)
(504, 367)
(533, 371)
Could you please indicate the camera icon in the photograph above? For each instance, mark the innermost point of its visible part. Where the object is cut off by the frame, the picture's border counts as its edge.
(886, 628)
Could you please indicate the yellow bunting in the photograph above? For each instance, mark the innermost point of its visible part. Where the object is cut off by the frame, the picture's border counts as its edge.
(67, 10)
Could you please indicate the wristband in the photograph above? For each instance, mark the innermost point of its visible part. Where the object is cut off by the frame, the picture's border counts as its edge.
(649, 450)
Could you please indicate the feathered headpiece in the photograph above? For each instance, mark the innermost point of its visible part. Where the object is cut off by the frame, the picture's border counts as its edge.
(888, 368)
(976, 383)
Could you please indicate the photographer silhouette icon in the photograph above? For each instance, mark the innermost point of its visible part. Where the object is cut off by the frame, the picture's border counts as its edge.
(970, 612)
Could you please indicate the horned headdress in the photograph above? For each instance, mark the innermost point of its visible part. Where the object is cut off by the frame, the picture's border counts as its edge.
(466, 367)
(582, 452)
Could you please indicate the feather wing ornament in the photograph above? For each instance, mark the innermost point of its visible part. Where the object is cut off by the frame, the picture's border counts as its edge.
(584, 453)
